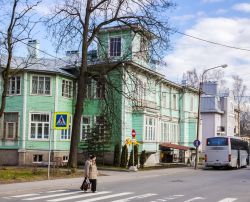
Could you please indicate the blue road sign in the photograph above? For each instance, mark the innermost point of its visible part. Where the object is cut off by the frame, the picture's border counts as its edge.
(61, 120)
(196, 143)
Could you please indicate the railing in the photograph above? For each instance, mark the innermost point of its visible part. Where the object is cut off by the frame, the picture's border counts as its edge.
(145, 104)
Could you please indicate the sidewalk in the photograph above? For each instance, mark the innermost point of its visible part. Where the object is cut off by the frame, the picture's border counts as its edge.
(74, 183)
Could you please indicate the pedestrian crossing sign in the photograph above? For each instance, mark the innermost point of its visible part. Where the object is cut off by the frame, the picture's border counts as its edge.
(61, 120)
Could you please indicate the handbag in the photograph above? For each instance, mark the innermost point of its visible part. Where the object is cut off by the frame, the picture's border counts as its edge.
(85, 184)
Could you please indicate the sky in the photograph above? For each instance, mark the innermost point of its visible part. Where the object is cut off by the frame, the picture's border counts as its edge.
(222, 21)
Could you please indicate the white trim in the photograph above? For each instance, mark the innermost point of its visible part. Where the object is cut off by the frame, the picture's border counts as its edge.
(115, 36)
(24, 110)
(70, 90)
(29, 125)
(18, 121)
(54, 132)
(40, 75)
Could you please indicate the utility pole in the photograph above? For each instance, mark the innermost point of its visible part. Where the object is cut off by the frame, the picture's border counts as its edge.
(198, 116)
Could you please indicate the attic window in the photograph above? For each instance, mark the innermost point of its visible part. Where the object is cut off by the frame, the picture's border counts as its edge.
(115, 46)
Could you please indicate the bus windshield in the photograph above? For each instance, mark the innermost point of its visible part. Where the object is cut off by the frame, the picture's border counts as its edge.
(217, 141)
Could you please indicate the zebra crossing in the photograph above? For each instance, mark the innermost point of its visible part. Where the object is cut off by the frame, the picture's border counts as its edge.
(109, 196)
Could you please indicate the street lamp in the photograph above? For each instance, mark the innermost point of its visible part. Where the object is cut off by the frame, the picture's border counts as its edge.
(199, 105)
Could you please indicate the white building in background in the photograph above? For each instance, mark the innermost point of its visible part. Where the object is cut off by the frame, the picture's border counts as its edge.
(218, 113)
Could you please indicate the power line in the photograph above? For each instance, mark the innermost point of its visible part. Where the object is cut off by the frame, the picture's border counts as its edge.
(211, 42)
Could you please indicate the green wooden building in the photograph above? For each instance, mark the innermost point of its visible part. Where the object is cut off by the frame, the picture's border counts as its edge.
(136, 96)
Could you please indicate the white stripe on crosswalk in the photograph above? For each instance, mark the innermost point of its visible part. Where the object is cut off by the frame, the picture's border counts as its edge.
(106, 197)
(51, 196)
(194, 199)
(78, 196)
(25, 195)
(61, 190)
(228, 200)
(134, 197)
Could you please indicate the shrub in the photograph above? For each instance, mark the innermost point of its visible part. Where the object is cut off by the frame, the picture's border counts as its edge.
(117, 155)
(142, 158)
(124, 157)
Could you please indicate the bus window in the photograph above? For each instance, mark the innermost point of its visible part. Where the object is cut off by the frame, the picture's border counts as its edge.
(219, 141)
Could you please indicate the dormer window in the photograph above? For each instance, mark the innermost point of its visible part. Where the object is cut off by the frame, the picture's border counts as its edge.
(115, 46)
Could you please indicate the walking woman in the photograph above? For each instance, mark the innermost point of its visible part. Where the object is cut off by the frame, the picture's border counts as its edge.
(90, 172)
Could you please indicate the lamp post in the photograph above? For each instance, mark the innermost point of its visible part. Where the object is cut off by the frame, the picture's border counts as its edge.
(199, 106)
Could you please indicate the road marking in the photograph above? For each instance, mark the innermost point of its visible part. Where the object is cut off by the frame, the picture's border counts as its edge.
(25, 195)
(135, 197)
(79, 196)
(194, 199)
(51, 196)
(228, 200)
(61, 190)
(106, 197)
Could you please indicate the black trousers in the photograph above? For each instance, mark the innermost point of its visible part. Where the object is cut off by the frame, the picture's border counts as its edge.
(93, 184)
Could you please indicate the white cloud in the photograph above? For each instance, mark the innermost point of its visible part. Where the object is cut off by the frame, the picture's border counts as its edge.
(245, 7)
(189, 53)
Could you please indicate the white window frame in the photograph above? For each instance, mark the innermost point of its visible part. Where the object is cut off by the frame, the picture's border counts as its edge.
(31, 84)
(192, 103)
(67, 92)
(9, 90)
(150, 130)
(36, 128)
(37, 156)
(66, 134)
(89, 124)
(109, 51)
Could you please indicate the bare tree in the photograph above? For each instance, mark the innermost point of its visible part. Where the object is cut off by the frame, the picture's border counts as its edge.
(239, 91)
(78, 23)
(16, 26)
(193, 79)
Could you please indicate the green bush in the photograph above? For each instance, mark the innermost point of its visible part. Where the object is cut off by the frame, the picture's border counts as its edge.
(117, 155)
(124, 157)
(142, 158)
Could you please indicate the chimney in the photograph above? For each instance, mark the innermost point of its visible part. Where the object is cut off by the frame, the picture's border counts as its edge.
(33, 48)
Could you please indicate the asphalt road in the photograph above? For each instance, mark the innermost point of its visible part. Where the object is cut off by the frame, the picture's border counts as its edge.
(173, 185)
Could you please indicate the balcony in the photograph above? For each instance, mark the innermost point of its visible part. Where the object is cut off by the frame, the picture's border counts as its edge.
(140, 103)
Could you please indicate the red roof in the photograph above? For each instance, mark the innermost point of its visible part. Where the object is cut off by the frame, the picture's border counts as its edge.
(174, 146)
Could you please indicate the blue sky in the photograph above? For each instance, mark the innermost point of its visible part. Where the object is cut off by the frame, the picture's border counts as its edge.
(222, 21)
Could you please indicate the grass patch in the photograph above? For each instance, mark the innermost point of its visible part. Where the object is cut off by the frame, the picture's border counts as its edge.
(22, 174)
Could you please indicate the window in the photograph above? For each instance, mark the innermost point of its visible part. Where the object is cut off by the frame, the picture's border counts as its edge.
(169, 132)
(217, 141)
(37, 158)
(40, 85)
(66, 134)
(39, 126)
(174, 102)
(14, 86)
(164, 100)
(10, 125)
(100, 88)
(115, 46)
(67, 88)
(85, 127)
(99, 123)
(192, 104)
(65, 158)
(150, 129)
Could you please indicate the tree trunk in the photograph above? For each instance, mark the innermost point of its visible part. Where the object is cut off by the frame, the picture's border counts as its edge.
(80, 94)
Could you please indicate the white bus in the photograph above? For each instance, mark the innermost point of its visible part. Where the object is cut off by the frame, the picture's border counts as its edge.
(226, 152)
